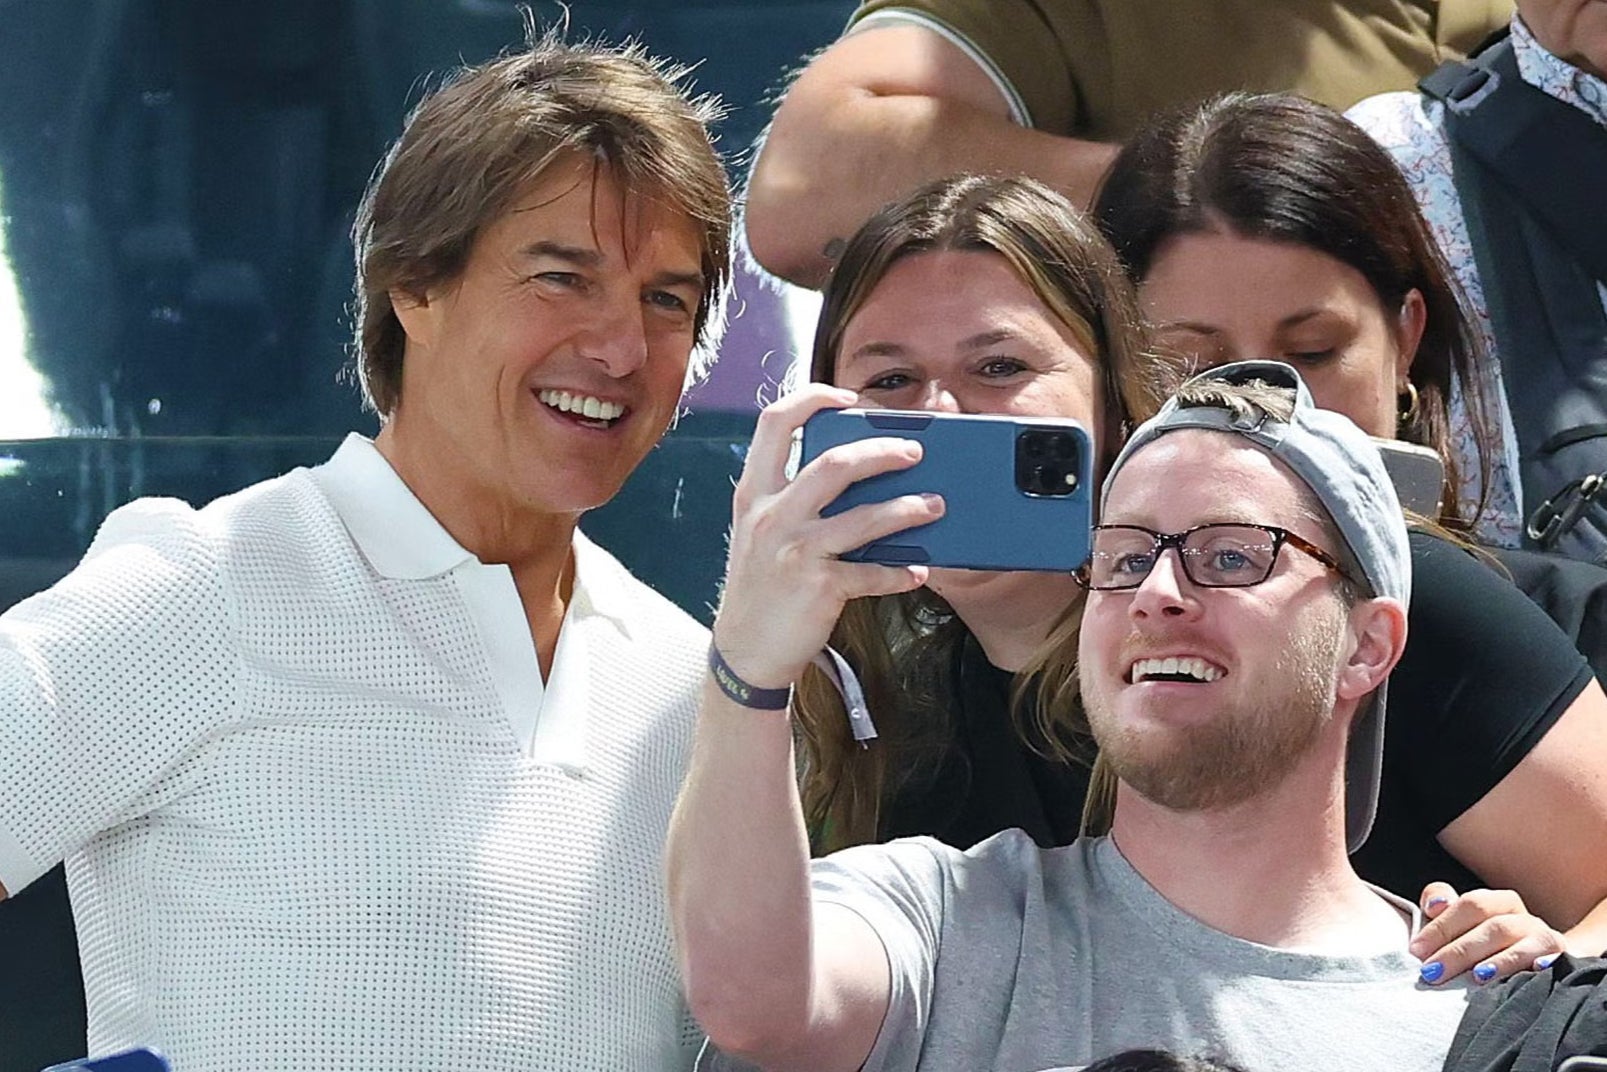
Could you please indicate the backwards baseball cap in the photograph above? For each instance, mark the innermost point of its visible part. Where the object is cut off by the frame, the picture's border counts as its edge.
(1339, 462)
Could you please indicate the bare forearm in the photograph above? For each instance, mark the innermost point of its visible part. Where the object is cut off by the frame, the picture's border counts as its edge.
(1588, 937)
(877, 115)
(738, 863)
(811, 191)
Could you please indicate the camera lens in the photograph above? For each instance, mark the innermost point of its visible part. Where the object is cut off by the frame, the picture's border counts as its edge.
(1046, 461)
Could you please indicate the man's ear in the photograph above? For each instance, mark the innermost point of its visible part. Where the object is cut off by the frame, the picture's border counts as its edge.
(1378, 636)
(417, 316)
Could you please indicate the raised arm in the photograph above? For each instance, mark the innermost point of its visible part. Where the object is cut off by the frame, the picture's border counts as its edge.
(874, 116)
(772, 978)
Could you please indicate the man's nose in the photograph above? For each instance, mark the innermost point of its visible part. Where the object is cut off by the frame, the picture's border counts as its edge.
(1165, 591)
(617, 336)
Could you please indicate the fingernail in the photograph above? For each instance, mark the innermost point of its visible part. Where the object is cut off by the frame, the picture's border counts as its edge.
(1484, 972)
(1431, 971)
(1545, 962)
(1436, 901)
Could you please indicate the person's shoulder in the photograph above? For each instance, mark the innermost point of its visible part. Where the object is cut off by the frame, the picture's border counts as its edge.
(1406, 123)
(1454, 573)
(174, 526)
(1452, 581)
(1463, 601)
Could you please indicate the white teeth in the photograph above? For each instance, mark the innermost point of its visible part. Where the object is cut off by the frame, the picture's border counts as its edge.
(1174, 666)
(587, 406)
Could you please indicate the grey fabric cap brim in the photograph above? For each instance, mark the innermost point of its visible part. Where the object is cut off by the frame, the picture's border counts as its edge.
(1342, 466)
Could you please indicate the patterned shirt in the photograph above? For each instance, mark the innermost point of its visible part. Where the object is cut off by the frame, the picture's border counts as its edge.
(1412, 127)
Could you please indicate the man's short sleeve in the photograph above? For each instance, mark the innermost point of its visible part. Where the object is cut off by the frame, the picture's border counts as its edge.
(1029, 52)
(900, 890)
(106, 681)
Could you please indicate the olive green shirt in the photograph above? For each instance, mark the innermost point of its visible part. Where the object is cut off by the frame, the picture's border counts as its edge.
(1096, 68)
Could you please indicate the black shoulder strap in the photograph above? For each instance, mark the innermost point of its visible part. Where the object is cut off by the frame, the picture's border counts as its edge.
(1551, 155)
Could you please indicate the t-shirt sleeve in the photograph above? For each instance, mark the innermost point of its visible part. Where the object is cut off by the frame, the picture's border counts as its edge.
(107, 679)
(899, 889)
(1486, 675)
(1017, 43)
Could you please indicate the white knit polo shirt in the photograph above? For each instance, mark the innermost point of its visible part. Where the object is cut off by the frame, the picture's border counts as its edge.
(318, 808)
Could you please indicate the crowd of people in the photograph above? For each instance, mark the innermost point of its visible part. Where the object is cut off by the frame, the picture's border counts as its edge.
(383, 764)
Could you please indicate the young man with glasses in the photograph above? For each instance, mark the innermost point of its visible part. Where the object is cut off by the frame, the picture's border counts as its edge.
(1247, 601)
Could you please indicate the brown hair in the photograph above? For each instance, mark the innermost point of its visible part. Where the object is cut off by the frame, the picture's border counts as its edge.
(470, 148)
(1279, 167)
(903, 646)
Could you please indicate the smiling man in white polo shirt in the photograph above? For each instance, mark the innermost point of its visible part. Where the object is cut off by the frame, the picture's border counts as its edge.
(368, 766)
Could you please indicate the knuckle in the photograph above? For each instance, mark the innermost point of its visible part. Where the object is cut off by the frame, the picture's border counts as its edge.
(1512, 928)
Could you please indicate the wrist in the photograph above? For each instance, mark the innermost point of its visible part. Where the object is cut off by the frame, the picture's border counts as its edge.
(742, 692)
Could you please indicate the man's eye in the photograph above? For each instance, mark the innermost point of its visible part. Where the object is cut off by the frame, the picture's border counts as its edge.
(562, 279)
(1227, 560)
(1132, 563)
(665, 299)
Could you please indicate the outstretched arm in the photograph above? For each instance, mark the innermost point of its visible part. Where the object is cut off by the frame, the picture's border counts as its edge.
(1540, 832)
(770, 976)
(874, 116)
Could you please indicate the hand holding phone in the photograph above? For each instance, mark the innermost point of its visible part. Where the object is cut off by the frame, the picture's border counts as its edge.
(1018, 491)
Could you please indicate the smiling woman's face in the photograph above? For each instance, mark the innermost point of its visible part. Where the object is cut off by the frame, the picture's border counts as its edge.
(1218, 297)
(960, 331)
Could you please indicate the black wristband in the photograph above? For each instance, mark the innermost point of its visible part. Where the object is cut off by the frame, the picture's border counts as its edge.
(740, 692)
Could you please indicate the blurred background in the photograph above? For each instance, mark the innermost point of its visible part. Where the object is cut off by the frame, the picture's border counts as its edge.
(177, 185)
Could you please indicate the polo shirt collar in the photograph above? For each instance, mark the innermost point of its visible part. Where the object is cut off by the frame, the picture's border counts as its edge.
(600, 582)
(396, 533)
(402, 540)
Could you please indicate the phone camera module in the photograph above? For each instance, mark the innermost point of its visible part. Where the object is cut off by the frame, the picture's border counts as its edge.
(1046, 462)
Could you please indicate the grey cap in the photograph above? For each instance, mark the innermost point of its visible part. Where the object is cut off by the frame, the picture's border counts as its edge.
(1340, 463)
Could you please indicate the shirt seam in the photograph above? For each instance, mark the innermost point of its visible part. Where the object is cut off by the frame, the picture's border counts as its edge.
(1020, 114)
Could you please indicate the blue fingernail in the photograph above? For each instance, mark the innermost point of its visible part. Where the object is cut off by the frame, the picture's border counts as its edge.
(1484, 972)
(1545, 962)
(1435, 902)
(1431, 971)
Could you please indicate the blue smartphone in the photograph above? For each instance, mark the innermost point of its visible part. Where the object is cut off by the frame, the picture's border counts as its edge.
(128, 1061)
(1019, 491)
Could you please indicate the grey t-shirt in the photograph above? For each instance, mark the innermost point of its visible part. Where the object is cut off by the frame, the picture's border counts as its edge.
(1020, 959)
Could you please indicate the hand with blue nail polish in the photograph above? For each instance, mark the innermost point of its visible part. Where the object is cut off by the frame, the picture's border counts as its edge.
(1489, 933)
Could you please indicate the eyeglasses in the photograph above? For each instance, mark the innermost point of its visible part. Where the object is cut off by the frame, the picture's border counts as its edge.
(1212, 556)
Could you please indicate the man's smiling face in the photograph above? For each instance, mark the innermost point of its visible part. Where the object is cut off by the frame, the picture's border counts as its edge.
(1201, 698)
(549, 368)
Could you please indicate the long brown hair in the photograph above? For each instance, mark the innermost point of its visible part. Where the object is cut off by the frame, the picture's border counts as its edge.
(1280, 167)
(903, 646)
